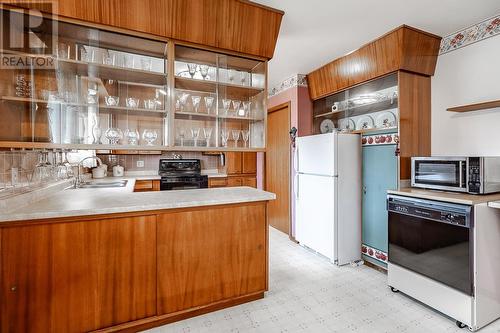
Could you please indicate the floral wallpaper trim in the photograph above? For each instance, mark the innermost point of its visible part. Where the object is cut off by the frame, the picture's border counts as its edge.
(298, 80)
(477, 32)
(374, 253)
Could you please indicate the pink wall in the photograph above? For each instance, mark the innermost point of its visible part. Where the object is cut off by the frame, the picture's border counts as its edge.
(301, 108)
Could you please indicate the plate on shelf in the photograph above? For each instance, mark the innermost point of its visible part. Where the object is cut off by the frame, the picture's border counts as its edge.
(386, 119)
(347, 124)
(365, 122)
(327, 126)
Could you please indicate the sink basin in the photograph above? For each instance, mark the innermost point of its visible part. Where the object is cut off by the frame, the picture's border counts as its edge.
(119, 183)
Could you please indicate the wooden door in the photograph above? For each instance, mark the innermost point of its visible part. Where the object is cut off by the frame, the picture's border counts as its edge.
(249, 163)
(278, 167)
(233, 163)
(196, 268)
(78, 276)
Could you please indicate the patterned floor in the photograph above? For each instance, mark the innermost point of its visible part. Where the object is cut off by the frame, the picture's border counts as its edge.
(308, 294)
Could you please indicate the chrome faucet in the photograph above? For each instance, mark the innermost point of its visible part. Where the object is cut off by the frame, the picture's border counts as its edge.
(78, 180)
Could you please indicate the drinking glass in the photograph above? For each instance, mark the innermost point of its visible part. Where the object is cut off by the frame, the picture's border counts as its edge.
(149, 104)
(204, 71)
(235, 134)
(226, 105)
(41, 173)
(149, 136)
(132, 102)
(132, 137)
(146, 64)
(230, 75)
(207, 133)
(224, 134)
(236, 106)
(61, 171)
(195, 134)
(242, 77)
(112, 100)
(196, 102)
(114, 135)
(192, 69)
(109, 59)
(69, 167)
(63, 51)
(84, 55)
(182, 134)
(246, 108)
(245, 135)
(183, 100)
(209, 101)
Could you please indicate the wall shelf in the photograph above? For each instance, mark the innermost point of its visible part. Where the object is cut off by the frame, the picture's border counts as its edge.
(475, 107)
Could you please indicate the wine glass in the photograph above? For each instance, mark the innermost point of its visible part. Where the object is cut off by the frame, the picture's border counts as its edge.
(207, 133)
(246, 108)
(243, 77)
(245, 135)
(235, 134)
(132, 137)
(195, 134)
(230, 75)
(226, 105)
(196, 102)
(69, 167)
(182, 134)
(204, 71)
(114, 135)
(209, 101)
(224, 134)
(149, 136)
(183, 100)
(192, 69)
(236, 106)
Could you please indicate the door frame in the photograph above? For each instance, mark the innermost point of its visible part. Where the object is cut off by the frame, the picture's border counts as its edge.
(275, 108)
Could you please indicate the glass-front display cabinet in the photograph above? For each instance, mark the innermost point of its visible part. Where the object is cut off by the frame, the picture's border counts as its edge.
(85, 88)
(369, 107)
(219, 100)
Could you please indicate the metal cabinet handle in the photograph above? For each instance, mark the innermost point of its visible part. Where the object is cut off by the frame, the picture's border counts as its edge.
(364, 189)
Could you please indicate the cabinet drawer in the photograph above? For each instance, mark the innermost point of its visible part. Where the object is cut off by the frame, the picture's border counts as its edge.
(146, 185)
(234, 181)
(217, 182)
(249, 181)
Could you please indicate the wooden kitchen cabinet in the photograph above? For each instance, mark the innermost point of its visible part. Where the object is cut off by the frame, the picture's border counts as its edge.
(234, 181)
(147, 185)
(217, 182)
(249, 162)
(210, 255)
(249, 181)
(241, 163)
(78, 276)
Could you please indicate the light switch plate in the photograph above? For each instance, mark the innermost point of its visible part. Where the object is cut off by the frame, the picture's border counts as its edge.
(140, 164)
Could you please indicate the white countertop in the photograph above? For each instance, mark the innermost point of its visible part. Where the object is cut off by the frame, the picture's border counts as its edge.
(459, 198)
(91, 201)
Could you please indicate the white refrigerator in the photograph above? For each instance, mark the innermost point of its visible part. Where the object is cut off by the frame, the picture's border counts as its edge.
(328, 195)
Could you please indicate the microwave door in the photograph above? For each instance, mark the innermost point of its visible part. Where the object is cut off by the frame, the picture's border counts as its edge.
(439, 174)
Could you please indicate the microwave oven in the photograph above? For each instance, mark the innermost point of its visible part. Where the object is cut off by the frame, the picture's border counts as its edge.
(475, 175)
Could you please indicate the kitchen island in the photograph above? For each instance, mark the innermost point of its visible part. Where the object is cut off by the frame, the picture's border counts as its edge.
(115, 260)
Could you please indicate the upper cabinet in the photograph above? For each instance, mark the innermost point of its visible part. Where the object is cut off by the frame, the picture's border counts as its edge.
(85, 87)
(236, 25)
(404, 48)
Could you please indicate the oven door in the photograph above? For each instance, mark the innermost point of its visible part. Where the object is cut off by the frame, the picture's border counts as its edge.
(439, 173)
(433, 239)
(182, 183)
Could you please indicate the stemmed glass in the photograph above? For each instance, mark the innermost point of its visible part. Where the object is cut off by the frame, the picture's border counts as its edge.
(61, 171)
(69, 167)
(196, 102)
(245, 134)
(230, 75)
(195, 134)
(246, 108)
(204, 71)
(226, 105)
(132, 137)
(243, 77)
(182, 134)
(149, 136)
(41, 173)
(183, 100)
(192, 69)
(236, 106)
(209, 101)
(224, 134)
(207, 133)
(236, 136)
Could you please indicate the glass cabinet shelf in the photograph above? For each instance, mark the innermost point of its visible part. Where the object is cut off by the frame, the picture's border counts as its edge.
(112, 91)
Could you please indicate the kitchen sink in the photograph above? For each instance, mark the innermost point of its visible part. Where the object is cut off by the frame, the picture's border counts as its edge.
(119, 183)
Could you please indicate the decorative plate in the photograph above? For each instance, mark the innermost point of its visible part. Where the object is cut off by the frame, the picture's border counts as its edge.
(365, 122)
(386, 119)
(327, 126)
(347, 124)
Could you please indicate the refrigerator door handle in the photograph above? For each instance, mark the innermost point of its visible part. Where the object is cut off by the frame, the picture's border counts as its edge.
(296, 186)
(296, 159)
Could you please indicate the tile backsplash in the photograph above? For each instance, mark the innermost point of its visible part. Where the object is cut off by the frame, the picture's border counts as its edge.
(151, 162)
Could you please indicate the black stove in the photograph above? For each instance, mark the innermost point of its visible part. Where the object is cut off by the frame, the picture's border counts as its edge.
(181, 174)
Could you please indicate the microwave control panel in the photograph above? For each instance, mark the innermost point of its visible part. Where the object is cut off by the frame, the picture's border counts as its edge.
(474, 179)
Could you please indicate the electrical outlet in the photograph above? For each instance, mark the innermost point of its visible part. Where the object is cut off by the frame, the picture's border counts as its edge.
(140, 164)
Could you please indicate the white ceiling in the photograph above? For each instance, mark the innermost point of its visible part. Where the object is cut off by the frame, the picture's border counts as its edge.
(314, 32)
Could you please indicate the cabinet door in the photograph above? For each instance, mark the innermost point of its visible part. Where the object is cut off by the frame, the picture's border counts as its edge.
(217, 182)
(78, 277)
(380, 173)
(234, 181)
(250, 181)
(209, 255)
(233, 163)
(249, 163)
